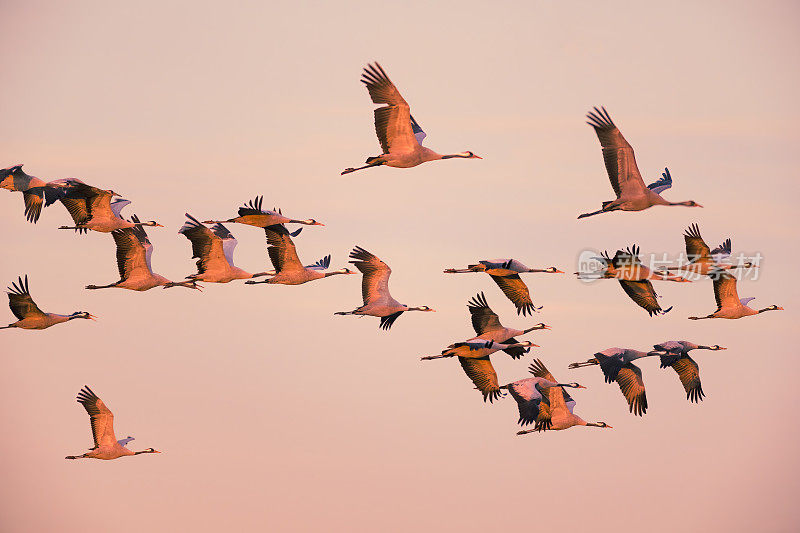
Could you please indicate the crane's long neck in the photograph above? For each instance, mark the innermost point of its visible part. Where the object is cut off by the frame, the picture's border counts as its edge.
(462, 155)
(537, 326)
(343, 271)
(636, 354)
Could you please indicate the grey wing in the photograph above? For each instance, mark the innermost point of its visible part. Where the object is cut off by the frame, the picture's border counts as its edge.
(722, 252)
(663, 184)
(527, 404)
(117, 205)
(229, 242)
(418, 133)
(321, 264)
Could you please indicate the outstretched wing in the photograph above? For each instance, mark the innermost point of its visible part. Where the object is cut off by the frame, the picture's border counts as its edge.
(617, 154)
(689, 373)
(101, 419)
(34, 198)
(206, 245)
(375, 282)
(482, 374)
(528, 399)
(724, 289)
(630, 383)
(418, 133)
(722, 252)
(393, 121)
(516, 291)
(483, 318)
(229, 242)
(696, 247)
(132, 253)
(321, 264)
(388, 320)
(253, 207)
(663, 184)
(117, 206)
(644, 295)
(282, 251)
(20, 301)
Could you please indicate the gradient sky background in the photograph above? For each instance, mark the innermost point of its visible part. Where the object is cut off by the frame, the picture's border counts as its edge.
(271, 412)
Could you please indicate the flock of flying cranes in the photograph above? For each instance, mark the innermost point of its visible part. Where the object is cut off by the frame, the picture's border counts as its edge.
(541, 399)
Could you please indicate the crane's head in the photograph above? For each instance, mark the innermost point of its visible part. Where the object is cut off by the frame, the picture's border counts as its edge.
(82, 314)
(600, 425)
(312, 222)
(423, 308)
(470, 155)
(148, 450)
(574, 385)
(553, 270)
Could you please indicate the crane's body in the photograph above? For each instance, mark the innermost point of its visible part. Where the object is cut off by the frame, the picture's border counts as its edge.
(553, 408)
(253, 214)
(626, 180)
(288, 268)
(106, 445)
(134, 252)
(28, 314)
(375, 294)
(729, 305)
(399, 134)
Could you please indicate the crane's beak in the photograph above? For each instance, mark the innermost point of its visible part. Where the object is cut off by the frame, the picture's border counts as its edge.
(93, 317)
(158, 225)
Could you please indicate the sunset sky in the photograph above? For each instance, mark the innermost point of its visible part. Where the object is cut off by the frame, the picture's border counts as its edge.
(274, 415)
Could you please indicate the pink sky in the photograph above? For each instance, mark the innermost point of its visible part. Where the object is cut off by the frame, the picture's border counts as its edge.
(273, 414)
